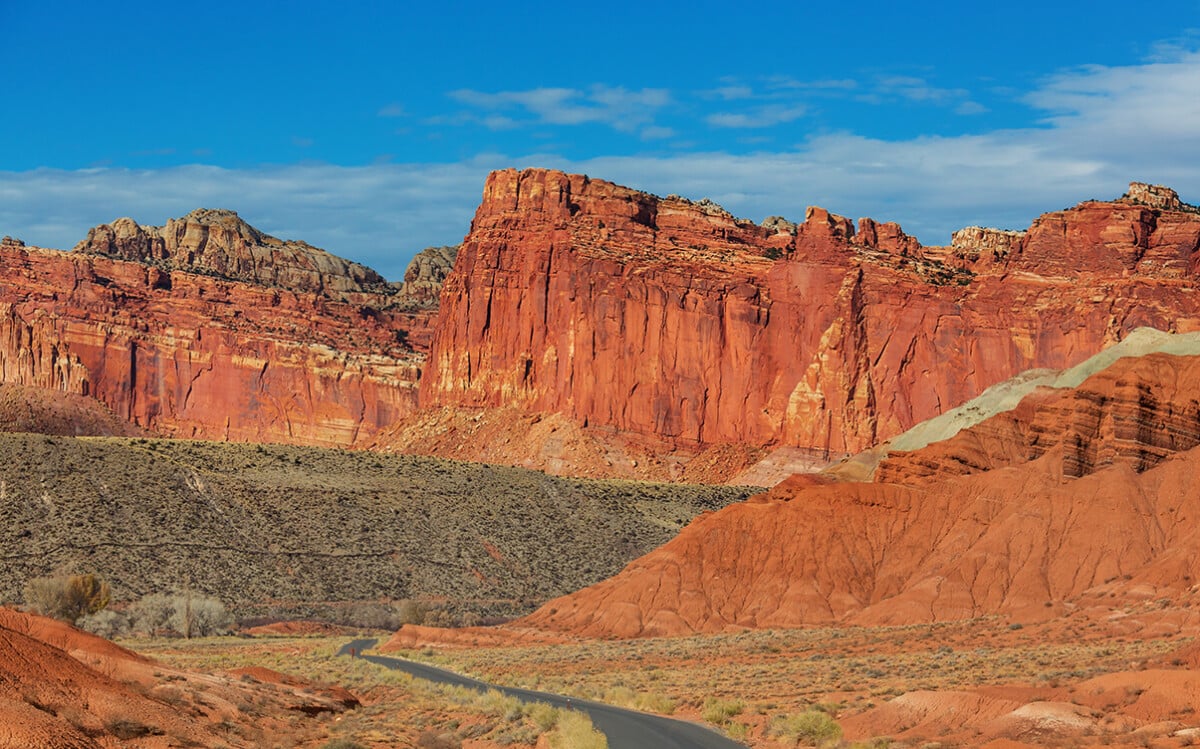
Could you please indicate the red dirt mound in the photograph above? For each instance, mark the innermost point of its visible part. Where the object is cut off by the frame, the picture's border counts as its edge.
(44, 411)
(1014, 541)
(65, 689)
(49, 699)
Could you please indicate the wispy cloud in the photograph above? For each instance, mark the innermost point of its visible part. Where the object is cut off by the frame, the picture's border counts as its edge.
(914, 89)
(756, 117)
(731, 93)
(657, 132)
(618, 107)
(395, 109)
(820, 84)
(970, 108)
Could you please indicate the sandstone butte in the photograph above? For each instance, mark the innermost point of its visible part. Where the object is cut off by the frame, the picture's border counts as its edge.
(1079, 497)
(207, 328)
(674, 321)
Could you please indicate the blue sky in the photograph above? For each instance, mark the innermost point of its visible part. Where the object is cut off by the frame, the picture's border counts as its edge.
(367, 127)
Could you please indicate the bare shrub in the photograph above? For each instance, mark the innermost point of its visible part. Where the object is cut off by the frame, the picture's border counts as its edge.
(152, 614)
(67, 597)
(431, 740)
(106, 623)
(200, 617)
(180, 614)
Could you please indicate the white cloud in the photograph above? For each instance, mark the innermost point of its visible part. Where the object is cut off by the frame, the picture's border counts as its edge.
(1159, 100)
(395, 109)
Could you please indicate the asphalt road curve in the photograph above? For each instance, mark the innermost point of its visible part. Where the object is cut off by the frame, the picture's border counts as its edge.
(625, 729)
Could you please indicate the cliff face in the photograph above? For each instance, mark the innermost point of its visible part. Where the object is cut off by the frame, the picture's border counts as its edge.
(671, 319)
(190, 355)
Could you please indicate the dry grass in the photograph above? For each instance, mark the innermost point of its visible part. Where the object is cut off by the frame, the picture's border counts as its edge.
(769, 689)
(757, 685)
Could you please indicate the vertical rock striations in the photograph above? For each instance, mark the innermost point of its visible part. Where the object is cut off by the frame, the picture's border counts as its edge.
(674, 320)
(207, 328)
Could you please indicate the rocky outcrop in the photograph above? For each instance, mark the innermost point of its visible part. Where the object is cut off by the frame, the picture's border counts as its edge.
(888, 237)
(1155, 196)
(191, 355)
(975, 243)
(675, 321)
(424, 277)
(219, 243)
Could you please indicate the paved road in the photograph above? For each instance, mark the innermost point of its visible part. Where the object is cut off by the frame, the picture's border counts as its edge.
(625, 729)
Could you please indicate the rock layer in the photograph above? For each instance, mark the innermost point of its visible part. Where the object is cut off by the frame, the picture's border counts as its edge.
(674, 320)
(191, 355)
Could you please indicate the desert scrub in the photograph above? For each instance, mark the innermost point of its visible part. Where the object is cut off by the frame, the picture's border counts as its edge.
(813, 727)
(451, 713)
(575, 731)
(284, 532)
(646, 702)
(720, 712)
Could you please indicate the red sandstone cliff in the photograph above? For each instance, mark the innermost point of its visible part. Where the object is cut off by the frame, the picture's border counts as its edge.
(661, 320)
(670, 319)
(173, 348)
